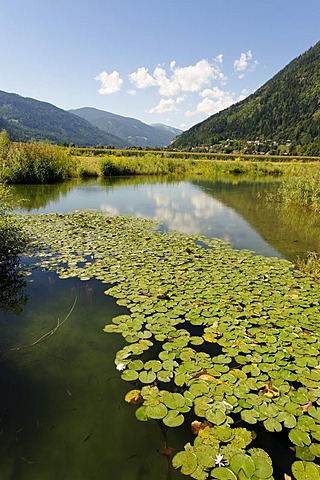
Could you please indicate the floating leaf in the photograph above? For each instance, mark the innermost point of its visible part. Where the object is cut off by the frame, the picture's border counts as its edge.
(134, 396)
(147, 377)
(223, 473)
(243, 462)
(141, 414)
(305, 471)
(156, 411)
(186, 460)
(129, 375)
(173, 419)
(250, 416)
(299, 437)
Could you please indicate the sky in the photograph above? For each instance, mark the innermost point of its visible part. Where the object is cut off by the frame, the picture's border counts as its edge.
(174, 62)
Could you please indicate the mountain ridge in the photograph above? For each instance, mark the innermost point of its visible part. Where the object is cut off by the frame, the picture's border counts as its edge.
(129, 129)
(26, 119)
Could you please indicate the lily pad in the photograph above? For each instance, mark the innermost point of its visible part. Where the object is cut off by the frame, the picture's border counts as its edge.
(305, 470)
(156, 411)
(173, 419)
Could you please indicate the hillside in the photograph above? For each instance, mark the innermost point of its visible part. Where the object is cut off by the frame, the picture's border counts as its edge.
(129, 129)
(287, 107)
(27, 119)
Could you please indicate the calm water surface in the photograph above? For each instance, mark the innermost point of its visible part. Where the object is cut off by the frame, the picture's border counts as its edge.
(62, 411)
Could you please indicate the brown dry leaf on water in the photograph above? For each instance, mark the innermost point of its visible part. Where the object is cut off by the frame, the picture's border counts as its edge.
(196, 426)
(287, 477)
(306, 406)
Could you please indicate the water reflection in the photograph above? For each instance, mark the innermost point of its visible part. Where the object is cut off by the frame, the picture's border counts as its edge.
(180, 205)
(12, 287)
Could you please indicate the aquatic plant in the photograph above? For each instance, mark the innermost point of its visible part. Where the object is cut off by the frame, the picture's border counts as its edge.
(224, 339)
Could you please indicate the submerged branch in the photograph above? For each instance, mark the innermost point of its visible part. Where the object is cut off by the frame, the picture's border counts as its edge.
(48, 334)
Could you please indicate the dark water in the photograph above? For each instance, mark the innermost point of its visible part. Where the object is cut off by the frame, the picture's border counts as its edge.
(62, 409)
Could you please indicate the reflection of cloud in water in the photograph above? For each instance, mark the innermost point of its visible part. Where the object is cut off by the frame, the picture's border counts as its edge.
(109, 209)
(163, 200)
(183, 222)
(206, 207)
(187, 211)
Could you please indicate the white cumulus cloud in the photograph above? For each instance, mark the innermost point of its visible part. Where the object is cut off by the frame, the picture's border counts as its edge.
(110, 82)
(244, 63)
(214, 100)
(141, 78)
(189, 79)
(165, 105)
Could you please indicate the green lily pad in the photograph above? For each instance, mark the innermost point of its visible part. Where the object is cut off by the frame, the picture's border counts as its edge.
(186, 460)
(223, 473)
(174, 400)
(305, 470)
(243, 462)
(129, 375)
(299, 437)
(156, 411)
(147, 377)
(250, 416)
(173, 419)
(141, 414)
(262, 462)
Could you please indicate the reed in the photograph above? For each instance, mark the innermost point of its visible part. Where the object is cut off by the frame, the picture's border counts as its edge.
(35, 163)
(303, 188)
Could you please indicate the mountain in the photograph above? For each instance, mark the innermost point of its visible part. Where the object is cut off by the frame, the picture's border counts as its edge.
(167, 128)
(287, 107)
(129, 129)
(27, 119)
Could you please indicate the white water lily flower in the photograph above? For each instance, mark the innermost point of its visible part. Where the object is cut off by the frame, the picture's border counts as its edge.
(219, 460)
(120, 367)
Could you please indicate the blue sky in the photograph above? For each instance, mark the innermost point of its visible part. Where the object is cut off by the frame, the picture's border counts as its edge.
(161, 61)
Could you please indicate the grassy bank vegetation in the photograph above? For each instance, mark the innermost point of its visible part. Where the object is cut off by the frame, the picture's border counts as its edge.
(33, 162)
(302, 187)
(156, 164)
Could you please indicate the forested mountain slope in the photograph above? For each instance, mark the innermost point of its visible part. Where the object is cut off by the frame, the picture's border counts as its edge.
(27, 119)
(287, 107)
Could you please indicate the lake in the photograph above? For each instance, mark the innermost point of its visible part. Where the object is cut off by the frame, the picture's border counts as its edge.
(62, 409)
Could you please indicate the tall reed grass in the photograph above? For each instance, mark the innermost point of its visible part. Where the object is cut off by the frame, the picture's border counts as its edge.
(302, 189)
(35, 163)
